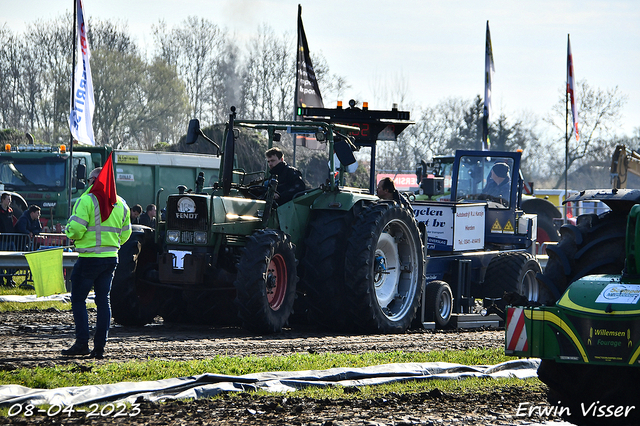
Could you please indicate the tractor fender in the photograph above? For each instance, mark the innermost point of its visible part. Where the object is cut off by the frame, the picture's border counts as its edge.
(618, 200)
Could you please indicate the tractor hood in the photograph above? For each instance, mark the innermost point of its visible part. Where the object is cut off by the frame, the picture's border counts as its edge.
(603, 295)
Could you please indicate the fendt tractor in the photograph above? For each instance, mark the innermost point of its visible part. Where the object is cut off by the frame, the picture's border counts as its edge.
(360, 259)
(41, 175)
(355, 262)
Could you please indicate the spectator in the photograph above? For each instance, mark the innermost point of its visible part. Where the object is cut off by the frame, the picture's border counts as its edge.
(149, 217)
(6, 214)
(136, 211)
(29, 222)
(6, 241)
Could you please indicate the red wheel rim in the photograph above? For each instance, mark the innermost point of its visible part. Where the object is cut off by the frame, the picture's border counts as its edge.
(276, 282)
(543, 237)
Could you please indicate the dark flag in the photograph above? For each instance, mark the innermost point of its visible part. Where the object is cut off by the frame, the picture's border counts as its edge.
(489, 69)
(307, 90)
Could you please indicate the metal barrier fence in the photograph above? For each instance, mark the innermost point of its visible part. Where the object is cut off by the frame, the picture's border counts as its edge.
(20, 243)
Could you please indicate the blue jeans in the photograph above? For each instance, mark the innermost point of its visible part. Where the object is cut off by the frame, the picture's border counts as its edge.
(96, 272)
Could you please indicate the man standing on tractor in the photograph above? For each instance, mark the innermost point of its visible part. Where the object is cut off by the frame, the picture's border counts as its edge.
(289, 178)
(386, 190)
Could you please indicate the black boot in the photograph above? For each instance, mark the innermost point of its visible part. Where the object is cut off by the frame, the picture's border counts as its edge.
(97, 353)
(77, 349)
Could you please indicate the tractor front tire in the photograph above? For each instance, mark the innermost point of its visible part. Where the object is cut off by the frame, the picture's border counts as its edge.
(384, 269)
(266, 282)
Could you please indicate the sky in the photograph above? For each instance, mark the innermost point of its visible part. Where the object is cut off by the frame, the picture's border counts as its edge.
(430, 50)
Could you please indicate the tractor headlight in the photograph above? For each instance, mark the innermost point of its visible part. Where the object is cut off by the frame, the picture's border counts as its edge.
(173, 236)
(200, 237)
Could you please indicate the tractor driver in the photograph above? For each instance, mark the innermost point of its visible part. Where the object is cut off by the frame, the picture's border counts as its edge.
(289, 178)
(499, 182)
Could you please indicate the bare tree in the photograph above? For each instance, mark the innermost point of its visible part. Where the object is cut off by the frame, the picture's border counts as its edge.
(599, 112)
(192, 49)
(52, 44)
(269, 76)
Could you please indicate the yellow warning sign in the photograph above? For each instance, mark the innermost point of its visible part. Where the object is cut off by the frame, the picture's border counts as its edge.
(127, 159)
(508, 228)
(496, 227)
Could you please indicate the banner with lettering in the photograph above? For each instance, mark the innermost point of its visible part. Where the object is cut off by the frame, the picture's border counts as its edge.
(307, 89)
(82, 101)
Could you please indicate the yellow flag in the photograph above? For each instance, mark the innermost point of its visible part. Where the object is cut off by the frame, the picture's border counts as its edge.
(46, 268)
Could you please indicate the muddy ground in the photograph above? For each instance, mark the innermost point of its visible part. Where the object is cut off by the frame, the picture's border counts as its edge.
(35, 339)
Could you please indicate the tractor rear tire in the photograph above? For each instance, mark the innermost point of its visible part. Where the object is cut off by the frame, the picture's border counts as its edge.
(438, 303)
(266, 282)
(596, 245)
(323, 269)
(384, 269)
(513, 272)
(133, 301)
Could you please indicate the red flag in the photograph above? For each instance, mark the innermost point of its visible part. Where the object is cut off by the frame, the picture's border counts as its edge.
(570, 88)
(104, 188)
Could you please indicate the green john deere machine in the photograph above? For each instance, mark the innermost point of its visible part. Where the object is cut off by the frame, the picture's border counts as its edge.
(589, 340)
(337, 256)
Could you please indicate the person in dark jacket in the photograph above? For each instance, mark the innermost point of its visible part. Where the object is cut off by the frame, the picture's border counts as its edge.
(290, 180)
(149, 217)
(386, 190)
(135, 213)
(29, 222)
(498, 183)
(6, 241)
(6, 214)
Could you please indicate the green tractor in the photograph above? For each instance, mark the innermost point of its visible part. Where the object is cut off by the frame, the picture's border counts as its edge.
(338, 256)
(589, 340)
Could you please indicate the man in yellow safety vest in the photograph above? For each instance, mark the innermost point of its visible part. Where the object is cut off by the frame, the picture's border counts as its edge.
(99, 225)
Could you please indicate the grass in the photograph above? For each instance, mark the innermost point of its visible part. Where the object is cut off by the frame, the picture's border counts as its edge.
(72, 375)
(23, 306)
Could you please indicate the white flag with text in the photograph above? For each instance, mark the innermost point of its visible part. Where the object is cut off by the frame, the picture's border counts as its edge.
(82, 101)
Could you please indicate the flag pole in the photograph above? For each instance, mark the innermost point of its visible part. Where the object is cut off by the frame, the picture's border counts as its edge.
(73, 90)
(566, 134)
(295, 90)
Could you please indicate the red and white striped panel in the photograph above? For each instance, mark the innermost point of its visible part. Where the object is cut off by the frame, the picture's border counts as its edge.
(516, 331)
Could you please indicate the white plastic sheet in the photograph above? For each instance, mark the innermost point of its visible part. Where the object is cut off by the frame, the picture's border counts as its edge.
(207, 385)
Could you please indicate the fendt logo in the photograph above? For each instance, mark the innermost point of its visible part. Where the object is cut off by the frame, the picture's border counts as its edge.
(186, 209)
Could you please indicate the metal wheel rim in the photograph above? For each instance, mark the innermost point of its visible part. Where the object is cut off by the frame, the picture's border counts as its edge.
(444, 305)
(395, 280)
(530, 286)
(276, 282)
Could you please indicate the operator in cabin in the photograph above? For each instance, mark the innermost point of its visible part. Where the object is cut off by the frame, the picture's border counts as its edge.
(498, 183)
(289, 178)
